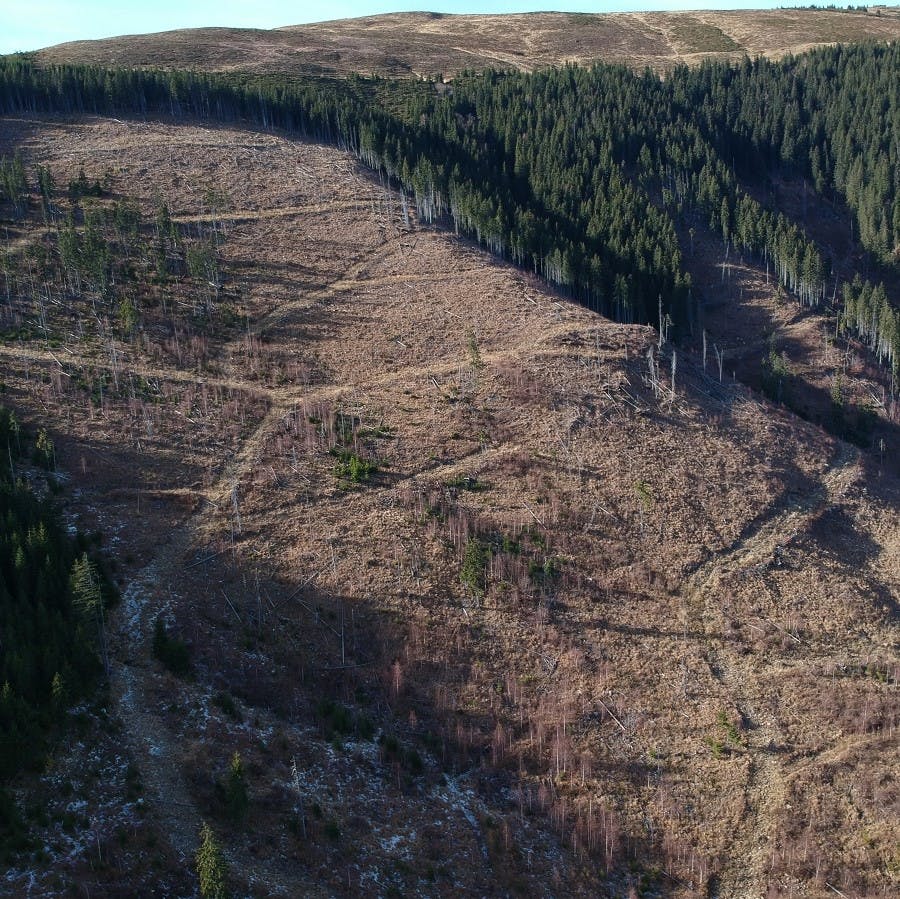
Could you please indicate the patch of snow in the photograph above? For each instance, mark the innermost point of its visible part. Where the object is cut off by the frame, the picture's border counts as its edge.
(462, 800)
(392, 844)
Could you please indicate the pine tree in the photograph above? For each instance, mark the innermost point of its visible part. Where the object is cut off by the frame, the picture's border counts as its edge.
(211, 870)
(236, 789)
(88, 600)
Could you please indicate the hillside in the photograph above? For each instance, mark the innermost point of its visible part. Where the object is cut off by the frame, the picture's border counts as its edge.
(484, 599)
(429, 43)
(472, 489)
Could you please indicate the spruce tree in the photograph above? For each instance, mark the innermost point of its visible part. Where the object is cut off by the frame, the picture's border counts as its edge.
(211, 870)
(236, 789)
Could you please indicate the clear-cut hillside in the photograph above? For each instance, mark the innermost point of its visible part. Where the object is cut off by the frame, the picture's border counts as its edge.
(521, 595)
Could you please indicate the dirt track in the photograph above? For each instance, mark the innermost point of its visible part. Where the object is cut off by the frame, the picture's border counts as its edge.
(752, 844)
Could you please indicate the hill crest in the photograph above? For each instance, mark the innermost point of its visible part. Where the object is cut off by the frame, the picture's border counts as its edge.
(423, 43)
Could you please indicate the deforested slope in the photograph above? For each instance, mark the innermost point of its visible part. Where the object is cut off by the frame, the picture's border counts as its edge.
(787, 163)
(486, 591)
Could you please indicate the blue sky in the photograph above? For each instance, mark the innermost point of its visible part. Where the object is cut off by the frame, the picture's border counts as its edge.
(30, 24)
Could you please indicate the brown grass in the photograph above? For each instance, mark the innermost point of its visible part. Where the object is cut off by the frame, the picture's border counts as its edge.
(408, 44)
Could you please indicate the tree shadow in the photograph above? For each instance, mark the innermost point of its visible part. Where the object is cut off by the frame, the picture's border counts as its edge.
(836, 533)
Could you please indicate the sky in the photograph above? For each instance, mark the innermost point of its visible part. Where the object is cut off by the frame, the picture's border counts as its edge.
(31, 24)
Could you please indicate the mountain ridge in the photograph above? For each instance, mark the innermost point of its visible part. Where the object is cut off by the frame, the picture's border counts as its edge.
(427, 44)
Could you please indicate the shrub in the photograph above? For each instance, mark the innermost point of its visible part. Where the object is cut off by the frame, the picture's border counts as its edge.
(171, 651)
(337, 720)
(13, 834)
(472, 570)
(731, 732)
(44, 452)
(353, 468)
(227, 705)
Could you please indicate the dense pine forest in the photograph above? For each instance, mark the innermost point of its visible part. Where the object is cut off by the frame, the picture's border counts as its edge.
(581, 174)
(52, 607)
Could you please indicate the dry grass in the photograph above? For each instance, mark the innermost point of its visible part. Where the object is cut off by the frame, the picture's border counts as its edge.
(428, 43)
(640, 669)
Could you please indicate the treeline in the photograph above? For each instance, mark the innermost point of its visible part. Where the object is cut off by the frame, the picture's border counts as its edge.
(580, 174)
(869, 315)
(534, 166)
(539, 168)
(620, 254)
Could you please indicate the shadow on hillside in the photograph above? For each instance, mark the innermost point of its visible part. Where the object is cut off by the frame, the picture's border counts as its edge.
(878, 437)
(314, 312)
(360, 690)
(259, 270)
(654, 632)
(836, 532)
(792, 488)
